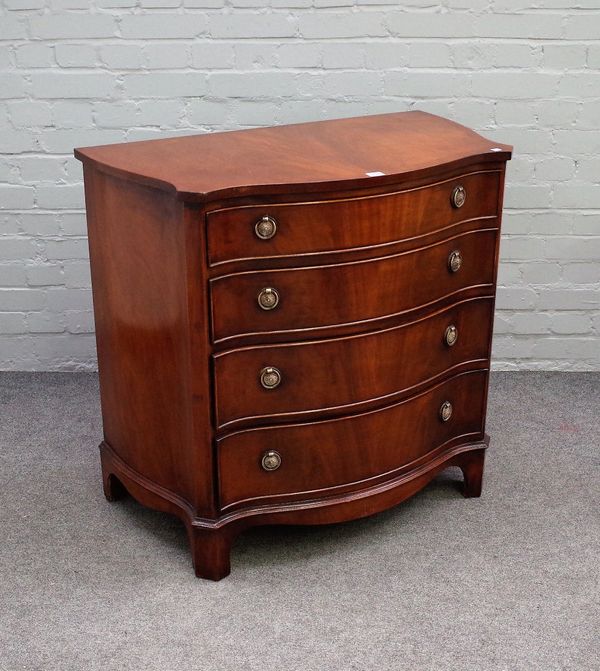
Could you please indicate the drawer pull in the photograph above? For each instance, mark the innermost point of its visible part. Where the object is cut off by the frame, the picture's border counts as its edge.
(459, 195)
(451, 335)
(445, 411)
(271, 460)
(270, 377)
(454, 261)
(268, 298)
(265, 228)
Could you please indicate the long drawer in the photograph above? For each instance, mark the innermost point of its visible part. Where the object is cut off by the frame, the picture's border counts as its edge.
(297, 461)
(341, 374)
(274, 230)
(298, 301)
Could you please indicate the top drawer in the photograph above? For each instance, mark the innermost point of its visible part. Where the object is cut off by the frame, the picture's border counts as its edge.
(236, 234)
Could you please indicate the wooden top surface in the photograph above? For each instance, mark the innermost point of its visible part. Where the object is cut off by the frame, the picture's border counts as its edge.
(323, 155)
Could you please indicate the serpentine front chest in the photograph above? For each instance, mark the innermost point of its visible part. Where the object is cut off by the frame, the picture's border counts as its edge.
(293, 323)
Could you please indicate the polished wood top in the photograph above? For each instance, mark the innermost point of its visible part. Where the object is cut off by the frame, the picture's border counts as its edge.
(322, 155)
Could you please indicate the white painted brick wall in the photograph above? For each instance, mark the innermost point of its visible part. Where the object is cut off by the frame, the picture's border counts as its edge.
(75, 73)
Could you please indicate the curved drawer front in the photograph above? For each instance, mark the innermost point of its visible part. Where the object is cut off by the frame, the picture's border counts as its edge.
(326, 457)
(341, 373)
(349, 293)
(353, 223)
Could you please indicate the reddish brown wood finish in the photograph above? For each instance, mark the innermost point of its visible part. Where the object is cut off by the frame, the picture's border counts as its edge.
(300, 158)
(341, 375)
(349, 452)
(361, 266)
(319, 299)
(154, 394)
(211, 540)
(351, 223)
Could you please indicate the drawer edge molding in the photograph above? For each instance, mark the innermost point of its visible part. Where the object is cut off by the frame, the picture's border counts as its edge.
(350, 357)
(371, 322)
(367, 197)
(362, 502)
(415, 250)
(228, 323)
(341, 452)
(350, 409)
(383, 481)
(390, 248)
(422, 317)
(217, 220)
(273, 427)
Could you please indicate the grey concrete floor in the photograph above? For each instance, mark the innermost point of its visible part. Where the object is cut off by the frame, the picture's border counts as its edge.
(507, 582)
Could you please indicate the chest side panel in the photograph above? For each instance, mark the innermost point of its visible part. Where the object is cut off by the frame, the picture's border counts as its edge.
(140, 265)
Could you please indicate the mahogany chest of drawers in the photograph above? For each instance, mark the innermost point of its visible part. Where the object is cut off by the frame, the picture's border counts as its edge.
(293, 323)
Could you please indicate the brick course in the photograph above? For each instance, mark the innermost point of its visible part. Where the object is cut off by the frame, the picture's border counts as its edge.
(76, 73)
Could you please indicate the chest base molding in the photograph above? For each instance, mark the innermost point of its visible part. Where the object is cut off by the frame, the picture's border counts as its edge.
(211, 540)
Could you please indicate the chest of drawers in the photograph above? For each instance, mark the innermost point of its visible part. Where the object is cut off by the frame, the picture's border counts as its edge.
(293, 323)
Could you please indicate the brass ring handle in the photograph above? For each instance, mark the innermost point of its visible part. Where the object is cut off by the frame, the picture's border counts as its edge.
(271, 460)
(268, 298)
(445, 411)
(455, 261)
(265, 228)
(451, 335)
(458, 197)
(270, 377)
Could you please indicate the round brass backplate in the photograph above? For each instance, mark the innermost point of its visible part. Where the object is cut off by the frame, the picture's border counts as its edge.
(268, 298)
(271, 460)
(270, 377)
(451, 335)
(458, 197)
(445, 411)
(454, 261)
(265, 228)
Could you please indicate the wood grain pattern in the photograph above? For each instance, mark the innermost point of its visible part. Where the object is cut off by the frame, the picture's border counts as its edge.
(211, 539)
(329, 296)
(300, 158)
(365, 295)
(140, 287)
(319, 457)
(336, 375)
(353, 223)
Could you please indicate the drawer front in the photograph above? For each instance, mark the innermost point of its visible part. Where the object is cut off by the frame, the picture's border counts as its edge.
(354, 223)
(342, 373)
(349, 293)
(330, 456)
